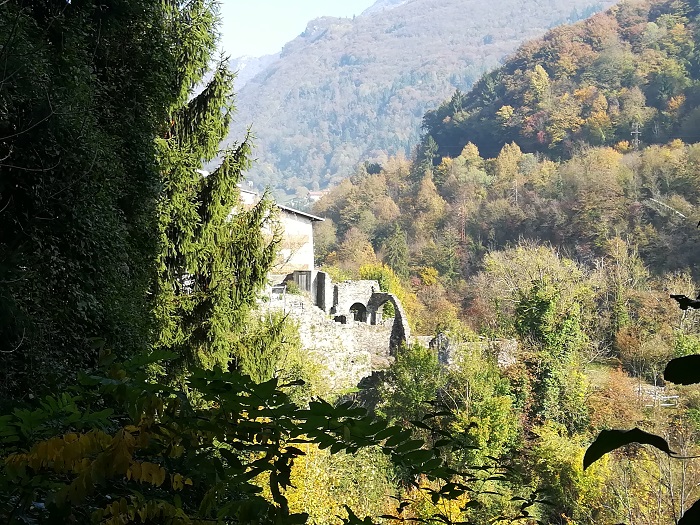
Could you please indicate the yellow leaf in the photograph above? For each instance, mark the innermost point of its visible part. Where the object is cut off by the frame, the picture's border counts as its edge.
(160, 479)
(177, 482)
(136, 472)
(176, 451)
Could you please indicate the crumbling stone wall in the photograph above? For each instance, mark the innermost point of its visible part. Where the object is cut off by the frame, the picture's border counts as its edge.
(346, 353)
(346, 349)
(348, 293)
(400, 331)
(503, 350)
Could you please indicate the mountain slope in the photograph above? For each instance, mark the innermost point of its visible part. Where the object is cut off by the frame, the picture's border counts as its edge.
(349, 90)
(630, 73)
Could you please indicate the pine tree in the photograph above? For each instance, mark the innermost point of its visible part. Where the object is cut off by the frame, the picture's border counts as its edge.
(214, 254)
(396, 251)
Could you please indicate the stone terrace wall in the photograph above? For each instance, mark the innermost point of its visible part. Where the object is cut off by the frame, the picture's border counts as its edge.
(346, 353)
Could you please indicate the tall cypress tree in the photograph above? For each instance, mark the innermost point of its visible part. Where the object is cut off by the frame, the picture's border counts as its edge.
(214, 254)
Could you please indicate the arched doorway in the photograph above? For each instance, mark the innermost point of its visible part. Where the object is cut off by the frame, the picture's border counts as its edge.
(400, 332)
(359, 312)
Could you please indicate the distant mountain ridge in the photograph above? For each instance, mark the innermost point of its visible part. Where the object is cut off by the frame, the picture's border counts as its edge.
(347, 90)
(383, 5)
(247, 67)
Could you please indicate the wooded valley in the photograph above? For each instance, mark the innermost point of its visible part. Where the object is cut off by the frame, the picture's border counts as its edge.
(552, 210)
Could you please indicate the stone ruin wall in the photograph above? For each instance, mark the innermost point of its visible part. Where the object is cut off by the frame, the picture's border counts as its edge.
(346, 353)
(504, 351)
(350, 351)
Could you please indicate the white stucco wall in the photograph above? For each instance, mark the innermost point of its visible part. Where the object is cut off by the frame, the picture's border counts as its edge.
(296, 250)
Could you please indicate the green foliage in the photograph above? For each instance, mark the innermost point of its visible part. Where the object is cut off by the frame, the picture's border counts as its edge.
(685, 345)
(396, 251)
(268, 347)
(293, 288)
(214, 255)
(482, 403)
(162, 457)
(574, 494)
(539, 317)
(324, 484)
(413, 381)
(556, 337)
(82, 96)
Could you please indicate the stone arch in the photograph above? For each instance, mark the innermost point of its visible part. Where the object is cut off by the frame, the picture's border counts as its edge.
(359, 312)
(400, 331)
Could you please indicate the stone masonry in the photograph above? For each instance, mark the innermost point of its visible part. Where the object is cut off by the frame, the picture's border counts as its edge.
(342, 325)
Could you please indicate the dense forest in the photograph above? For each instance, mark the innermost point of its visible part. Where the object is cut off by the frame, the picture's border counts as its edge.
(631, 69)
(569, 245)
(141, 384)
(349, 90)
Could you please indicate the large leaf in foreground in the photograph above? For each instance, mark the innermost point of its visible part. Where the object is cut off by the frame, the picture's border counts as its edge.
(691, 516)
(609, 440)
(683, 370)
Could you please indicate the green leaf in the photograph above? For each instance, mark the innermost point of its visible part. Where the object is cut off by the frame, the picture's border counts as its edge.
(388, 432)
(156, 356)
(418, 456)
(398, 438)
(609, 440)
(683, 370)
(411, 445)
(231, 458)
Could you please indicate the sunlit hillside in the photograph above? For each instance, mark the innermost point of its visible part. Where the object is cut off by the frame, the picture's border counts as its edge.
(347, 90)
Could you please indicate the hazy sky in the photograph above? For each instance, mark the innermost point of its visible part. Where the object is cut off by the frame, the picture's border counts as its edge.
(261, 27)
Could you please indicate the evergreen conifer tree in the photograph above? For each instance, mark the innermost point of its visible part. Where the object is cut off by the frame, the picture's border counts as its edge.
(396, 251)
(214, 254)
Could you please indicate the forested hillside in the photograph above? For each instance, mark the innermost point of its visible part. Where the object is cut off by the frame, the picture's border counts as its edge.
(350, 90)
(453, 202)
(575, 261)
(138, 383)
(570, 248)
(631, 69)
(146, 379)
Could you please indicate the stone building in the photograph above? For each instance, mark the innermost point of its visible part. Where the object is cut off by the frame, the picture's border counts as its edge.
(297, 246)
(343, 325)
(296, 251)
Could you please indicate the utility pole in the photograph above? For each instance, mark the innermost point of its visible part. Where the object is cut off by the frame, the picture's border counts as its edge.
(635, 133)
